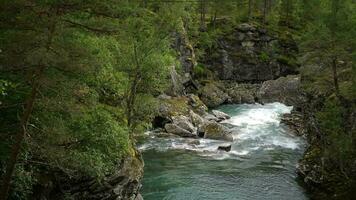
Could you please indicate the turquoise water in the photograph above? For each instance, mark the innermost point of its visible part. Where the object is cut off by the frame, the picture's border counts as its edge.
(260, 165)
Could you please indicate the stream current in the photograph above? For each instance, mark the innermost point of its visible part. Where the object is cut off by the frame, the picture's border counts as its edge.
(260, 165)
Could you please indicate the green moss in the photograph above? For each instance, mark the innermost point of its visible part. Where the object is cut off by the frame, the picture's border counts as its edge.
(287, 60)
(264, 57)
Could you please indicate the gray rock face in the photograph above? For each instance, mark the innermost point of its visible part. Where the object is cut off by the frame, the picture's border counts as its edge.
(216, 131)
(184, 49)
(251, 54)
(196, 119)
(213, 96)
(184, 123)
(242, 93)
(175, 129)
(220, 115)
(285, 90)
(210, 117)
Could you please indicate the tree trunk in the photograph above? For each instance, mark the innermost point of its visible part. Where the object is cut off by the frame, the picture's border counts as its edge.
(336, 81)
(133, 90)
(249, 9)
(202, 15)
(264, 12)
(16, 148)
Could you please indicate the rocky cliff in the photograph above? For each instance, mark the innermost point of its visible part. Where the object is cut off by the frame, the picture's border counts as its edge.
(250, 53)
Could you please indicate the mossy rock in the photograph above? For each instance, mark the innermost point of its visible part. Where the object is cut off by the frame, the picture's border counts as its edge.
(216, 131)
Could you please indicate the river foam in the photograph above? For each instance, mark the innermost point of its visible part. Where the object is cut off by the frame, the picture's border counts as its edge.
(256, 127)
(260, 165)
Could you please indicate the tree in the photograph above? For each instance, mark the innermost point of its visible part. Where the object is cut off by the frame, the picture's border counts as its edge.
(59, 57)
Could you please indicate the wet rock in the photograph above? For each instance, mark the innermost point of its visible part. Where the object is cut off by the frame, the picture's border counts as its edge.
(175, 129)
(210, 117)
(194, 142)
(226, 148)
(220, 115)
(213, 96)
(295, 121)
(196, 119)
(184, 123)
(214, 130)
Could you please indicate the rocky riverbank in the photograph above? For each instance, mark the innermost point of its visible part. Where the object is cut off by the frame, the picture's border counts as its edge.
(123, 184)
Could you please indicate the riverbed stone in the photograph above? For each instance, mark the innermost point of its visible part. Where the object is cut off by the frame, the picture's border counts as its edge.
(226, 148)
(175, 129)
(184, 122)
(220, 115)
(214, 130)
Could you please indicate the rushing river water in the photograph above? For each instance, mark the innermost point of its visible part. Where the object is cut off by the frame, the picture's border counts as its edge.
(260, 165)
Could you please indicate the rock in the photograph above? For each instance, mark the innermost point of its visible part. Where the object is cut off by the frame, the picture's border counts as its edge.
(175, 129)
(197, 105)
(194, 142)
(139, 197)
(252, 54)
(159, 121)
(176, 87)
(213, 96)
(184, 48)
(214, 130)
(226, 148)
(184, 123)
(295, 121)
(220, 115)
(284, 89)
(243, 93)
(246, 27)
(196, 119)
(164, 96)
(210, 117)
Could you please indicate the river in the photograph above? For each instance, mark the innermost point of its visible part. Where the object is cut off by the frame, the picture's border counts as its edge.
(260, 165)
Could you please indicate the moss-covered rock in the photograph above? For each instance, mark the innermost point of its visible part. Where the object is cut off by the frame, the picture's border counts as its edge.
(212, 95)
(216, 131)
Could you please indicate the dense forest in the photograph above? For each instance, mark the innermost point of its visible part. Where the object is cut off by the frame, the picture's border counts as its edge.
(79, 81)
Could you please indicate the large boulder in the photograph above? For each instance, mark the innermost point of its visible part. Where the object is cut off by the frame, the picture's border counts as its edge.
(226, 148)
(175, 129)
(242, 93)
(184, 123)
(216, 131)
(196, 119)
(212, 95)
(284, 89)
(220, 115)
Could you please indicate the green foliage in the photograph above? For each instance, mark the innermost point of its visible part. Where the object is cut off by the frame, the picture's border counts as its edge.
(264, 57)
(86, 59)
(201, 72)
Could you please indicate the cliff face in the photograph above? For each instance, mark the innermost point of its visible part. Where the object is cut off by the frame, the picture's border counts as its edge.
(123, 184)
(326, 175)
(252, 54)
